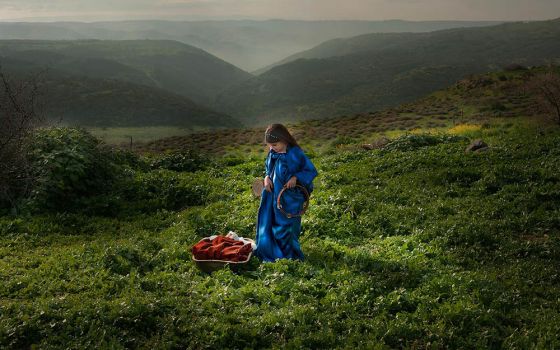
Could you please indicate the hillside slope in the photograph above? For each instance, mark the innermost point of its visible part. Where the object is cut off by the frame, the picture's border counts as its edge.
(375, 71)
(86, 101)
(475, 98)
(169, 65)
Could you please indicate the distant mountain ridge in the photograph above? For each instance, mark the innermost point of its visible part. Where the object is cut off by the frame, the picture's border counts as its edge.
(82, 100)
(173, 66)
(247, 44)
(375, 71)
(375, 42)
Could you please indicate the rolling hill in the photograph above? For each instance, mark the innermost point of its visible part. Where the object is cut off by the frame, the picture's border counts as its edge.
(176, 67)
(375, 71)
(87, 101)
(245, 43)
(477, 99)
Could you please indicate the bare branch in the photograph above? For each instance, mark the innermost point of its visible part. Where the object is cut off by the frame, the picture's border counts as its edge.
(547, 88)
(18, 118)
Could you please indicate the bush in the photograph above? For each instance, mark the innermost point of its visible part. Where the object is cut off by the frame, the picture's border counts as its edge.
(342, 140)
(512, 67)
(164, 189)
(185, 160)
(71, 165)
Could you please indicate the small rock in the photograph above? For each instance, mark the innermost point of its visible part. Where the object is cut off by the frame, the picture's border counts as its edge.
(377, 144)
(381, 142)
(477, 146)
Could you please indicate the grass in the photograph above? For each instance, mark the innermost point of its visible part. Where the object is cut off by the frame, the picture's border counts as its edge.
(410, 246)
(415, 245)
(122, 135)
(465, 129)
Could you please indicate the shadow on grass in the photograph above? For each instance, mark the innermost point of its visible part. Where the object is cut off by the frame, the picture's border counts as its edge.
(392, 274)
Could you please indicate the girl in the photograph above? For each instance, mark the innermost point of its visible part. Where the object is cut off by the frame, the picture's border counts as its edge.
(286, 165)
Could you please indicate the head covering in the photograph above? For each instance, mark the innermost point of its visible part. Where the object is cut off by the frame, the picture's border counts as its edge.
(271, 138)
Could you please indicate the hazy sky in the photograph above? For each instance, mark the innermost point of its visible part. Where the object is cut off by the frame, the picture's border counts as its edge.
(93, 10)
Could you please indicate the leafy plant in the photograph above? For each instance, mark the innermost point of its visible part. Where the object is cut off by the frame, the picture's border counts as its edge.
(72, 165)
(185, 160)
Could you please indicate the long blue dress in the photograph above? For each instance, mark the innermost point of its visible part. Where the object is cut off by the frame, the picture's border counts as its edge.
(277, 235)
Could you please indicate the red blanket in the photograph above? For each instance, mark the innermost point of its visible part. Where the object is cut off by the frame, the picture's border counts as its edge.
(221, 248)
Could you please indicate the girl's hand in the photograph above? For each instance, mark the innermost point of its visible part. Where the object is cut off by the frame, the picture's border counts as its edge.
(268, 184)
(291, 182)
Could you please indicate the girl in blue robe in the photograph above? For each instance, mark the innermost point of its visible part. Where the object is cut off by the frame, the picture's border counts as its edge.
(286, 164)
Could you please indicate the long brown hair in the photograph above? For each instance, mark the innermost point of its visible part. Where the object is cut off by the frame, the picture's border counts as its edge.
(281, 132)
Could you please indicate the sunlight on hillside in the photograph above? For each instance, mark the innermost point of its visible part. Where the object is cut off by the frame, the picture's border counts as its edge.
(464, 129)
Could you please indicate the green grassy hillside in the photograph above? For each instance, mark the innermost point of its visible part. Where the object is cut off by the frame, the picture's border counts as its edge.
(414, 244)
(169, 65)
(371, 72)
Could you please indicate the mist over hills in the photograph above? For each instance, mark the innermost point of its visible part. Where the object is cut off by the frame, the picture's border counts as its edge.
(360, 74)
(176, 67)
(374, 71)
(247, 44)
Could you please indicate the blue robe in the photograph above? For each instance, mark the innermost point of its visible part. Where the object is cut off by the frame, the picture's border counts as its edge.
(277, 235)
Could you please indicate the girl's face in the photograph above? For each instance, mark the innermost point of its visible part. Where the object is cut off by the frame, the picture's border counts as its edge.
(278, 147)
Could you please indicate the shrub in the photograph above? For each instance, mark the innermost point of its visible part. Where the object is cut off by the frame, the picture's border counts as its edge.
(184, 160)
(342, 140)
(512, 67)
(164, 189)
(71, 165)
(130, 160)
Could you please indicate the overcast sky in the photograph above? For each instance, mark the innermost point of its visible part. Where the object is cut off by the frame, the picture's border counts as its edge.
(93, 10)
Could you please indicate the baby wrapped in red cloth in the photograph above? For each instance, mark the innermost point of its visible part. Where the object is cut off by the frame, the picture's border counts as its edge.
(221, 248)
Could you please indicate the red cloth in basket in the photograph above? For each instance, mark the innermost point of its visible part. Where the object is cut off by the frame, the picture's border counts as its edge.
(221, 248)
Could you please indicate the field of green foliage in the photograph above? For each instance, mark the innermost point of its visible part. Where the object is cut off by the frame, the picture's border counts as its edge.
(414, 245)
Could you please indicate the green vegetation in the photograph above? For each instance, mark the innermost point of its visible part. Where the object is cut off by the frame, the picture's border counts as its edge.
(74, 172)
(415, 245)
(70, 165)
